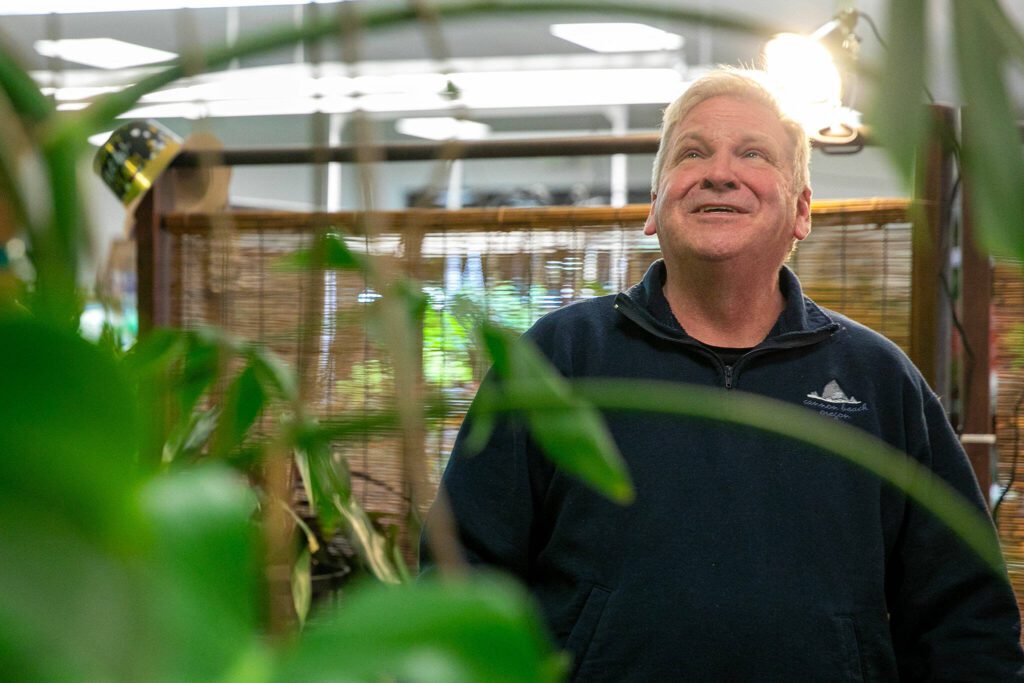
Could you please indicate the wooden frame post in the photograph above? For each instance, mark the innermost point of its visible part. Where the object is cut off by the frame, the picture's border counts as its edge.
(930, 312)
(976, 315)
(152, 246)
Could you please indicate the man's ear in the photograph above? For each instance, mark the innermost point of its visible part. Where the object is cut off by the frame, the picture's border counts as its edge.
(651, 225)
(802, 225)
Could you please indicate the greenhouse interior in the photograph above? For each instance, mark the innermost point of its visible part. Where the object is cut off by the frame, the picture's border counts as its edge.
(260, 258)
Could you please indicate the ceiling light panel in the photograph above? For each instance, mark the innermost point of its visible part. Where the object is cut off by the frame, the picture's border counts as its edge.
(443, 128)
(618, 37)
(103, 53)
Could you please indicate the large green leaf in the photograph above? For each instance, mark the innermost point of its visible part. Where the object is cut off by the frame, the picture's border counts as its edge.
(1003, 29)
(68, 425)
(149, 364)
(56, 249)
(449, 632)
(173, 597)
(277, 377)
(203, 565)
(898, 112)
(569, 430)
(992, 157)
(203, 362)
(71, 608)
(243, 403)
(19, 87)
(104, 576)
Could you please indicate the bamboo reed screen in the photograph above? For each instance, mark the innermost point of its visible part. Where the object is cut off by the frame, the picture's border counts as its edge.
(1008, 364)
(515, 264)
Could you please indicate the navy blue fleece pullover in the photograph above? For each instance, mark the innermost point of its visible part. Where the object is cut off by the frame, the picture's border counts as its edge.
(745, 557)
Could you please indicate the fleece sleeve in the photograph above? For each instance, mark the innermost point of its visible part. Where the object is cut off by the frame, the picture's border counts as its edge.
(493, 496)
(952, 618)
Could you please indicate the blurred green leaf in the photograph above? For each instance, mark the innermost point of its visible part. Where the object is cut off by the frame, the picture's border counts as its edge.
(404, 303)
(329, 252)
(155, 351)
(149, 363)
(369, 543)
(481, 630)
(204, 564)
(202, 365)
(323, 477)
(72, 610)
(189, 438)
(68, 424)
(410, 293)
(569, 430)
(992, 159)
(21, 90)
(302, 585)
(1003, 28)
(276, 377)
(301, 460)
(898, 111)
(56, 248)
(243, 403)
(10, 164)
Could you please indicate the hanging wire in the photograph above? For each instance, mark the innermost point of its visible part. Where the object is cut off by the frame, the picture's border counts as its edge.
(842, 265)
(1014, 461)
(885, 277)
(444, 315)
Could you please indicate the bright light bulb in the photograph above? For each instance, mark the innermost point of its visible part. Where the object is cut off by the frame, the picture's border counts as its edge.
(805, 78)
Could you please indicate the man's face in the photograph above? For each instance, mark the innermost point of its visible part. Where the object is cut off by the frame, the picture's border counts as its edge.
(726, 189)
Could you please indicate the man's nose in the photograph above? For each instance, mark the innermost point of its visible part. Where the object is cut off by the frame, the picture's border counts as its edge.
(719, 174)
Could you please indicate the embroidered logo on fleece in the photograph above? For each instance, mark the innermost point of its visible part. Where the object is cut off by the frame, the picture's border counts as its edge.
(833, 402)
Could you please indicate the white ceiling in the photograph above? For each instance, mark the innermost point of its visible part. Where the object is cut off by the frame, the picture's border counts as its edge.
(518, 35)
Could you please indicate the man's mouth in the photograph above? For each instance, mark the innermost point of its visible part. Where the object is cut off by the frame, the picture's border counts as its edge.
(717, 208)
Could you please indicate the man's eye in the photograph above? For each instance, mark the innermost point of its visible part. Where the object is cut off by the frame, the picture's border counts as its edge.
(753, 154)
(690, 154)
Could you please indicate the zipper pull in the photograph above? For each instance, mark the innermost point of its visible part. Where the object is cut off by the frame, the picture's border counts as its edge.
(728, 377)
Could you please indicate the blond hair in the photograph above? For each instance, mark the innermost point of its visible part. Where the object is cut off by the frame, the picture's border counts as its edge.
(745, 85)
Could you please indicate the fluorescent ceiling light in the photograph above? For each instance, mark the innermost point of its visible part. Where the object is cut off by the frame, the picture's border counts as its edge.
(104, 53)
(100, 139)
(484, 91)
(618, 37)
(96, 6)
(443, 128)
(296, 89)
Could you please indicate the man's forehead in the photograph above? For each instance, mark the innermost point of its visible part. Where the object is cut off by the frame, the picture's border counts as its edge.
(699, 134)
(740, 118)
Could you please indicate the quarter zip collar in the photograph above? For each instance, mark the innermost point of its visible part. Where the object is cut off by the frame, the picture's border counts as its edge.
(801, 322)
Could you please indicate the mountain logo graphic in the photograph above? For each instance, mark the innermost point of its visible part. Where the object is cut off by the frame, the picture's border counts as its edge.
(833, 393)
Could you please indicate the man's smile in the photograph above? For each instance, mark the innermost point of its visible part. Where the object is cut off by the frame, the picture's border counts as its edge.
(718, 208)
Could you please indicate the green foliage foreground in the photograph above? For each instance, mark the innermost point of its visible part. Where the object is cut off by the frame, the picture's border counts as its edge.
(116, 571)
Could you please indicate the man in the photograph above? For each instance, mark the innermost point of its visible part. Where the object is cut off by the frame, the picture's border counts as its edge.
(744, 556)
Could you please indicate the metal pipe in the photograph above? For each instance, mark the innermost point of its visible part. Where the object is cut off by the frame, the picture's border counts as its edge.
(589, 145)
